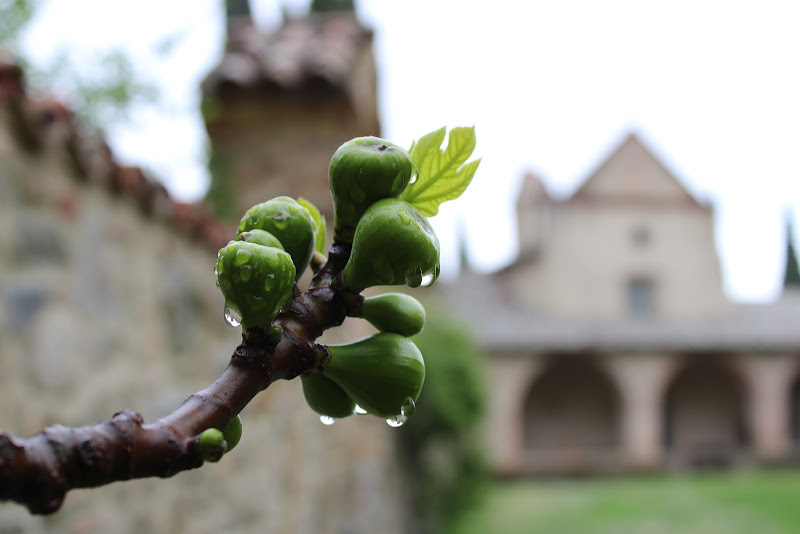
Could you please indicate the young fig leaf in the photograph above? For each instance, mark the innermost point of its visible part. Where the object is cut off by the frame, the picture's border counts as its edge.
(443, 174)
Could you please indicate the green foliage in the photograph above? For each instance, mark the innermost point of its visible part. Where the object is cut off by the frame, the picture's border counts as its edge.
(100, 89)
(441, 445)
(443, 174)
(14, 15)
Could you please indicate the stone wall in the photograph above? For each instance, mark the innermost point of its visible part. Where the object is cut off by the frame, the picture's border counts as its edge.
(106, 306)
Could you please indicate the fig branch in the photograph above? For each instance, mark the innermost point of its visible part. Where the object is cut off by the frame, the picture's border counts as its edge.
(381, 237)
(39, 471)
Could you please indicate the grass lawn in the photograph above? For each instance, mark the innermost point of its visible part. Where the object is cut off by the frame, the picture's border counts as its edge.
(753, 502)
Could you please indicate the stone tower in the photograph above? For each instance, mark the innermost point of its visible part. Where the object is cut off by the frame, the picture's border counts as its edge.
(279, 104)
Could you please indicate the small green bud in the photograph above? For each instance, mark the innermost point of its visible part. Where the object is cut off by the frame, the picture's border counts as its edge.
(362, 171)
(394, 312)
(325, 397)
(260, 237)
(211, 445)
(255, 280)
(394, 244)
(288, 221)
(380, 372)
(233, 433)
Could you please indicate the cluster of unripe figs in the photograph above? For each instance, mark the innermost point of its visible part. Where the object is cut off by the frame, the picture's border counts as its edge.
(390, 243)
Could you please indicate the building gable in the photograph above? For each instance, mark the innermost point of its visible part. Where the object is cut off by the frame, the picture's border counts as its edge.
(633, 174)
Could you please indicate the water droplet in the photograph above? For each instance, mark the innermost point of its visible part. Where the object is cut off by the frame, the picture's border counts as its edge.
(232, 317)
(396, 421)
(281, 219)
(428, 279)
(358, 410)
(413, 178)
(241, 257)
(269, 282)
(326, 420)
(408, 407)
(405, 218)
(244, 273)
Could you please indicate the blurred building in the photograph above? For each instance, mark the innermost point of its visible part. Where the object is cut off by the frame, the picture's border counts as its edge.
(279, 104)
(109, 299)
(611, 344)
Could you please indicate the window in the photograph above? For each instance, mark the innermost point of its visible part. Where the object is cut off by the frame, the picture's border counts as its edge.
(640, 296)
(640, 236)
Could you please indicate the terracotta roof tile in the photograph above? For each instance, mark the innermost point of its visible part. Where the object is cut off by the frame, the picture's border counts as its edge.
(47, 122)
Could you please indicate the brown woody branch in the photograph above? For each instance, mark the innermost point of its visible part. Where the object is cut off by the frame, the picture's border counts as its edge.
(39, 471)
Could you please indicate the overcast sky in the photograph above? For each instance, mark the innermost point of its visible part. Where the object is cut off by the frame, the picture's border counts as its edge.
(713, 88)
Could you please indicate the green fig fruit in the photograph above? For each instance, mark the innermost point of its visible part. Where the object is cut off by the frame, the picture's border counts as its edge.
(211, 445)
(288, 221)
(382, 373)
(393, 244)
(325, 397)
(233, 433)
(394, 312)
(255, 280)
(260, 237)
(362, 171)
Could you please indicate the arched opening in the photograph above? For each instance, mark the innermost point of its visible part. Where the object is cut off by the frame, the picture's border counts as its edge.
(572, 412)
(704, 416)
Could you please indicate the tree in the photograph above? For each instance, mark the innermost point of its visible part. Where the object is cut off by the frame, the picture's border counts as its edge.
(447, 466)
(98, 95)
(375, 203)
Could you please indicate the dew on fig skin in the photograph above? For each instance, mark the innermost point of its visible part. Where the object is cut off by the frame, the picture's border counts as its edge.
(269, 282)
(358, 410)
(244, 273)
(405, 218)
(232, 317)
(281, 219)
(241, 257)
(397, 421)
(326, 420)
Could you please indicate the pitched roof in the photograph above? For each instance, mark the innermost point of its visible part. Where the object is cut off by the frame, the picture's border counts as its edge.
(632, 173)
(45, 122)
